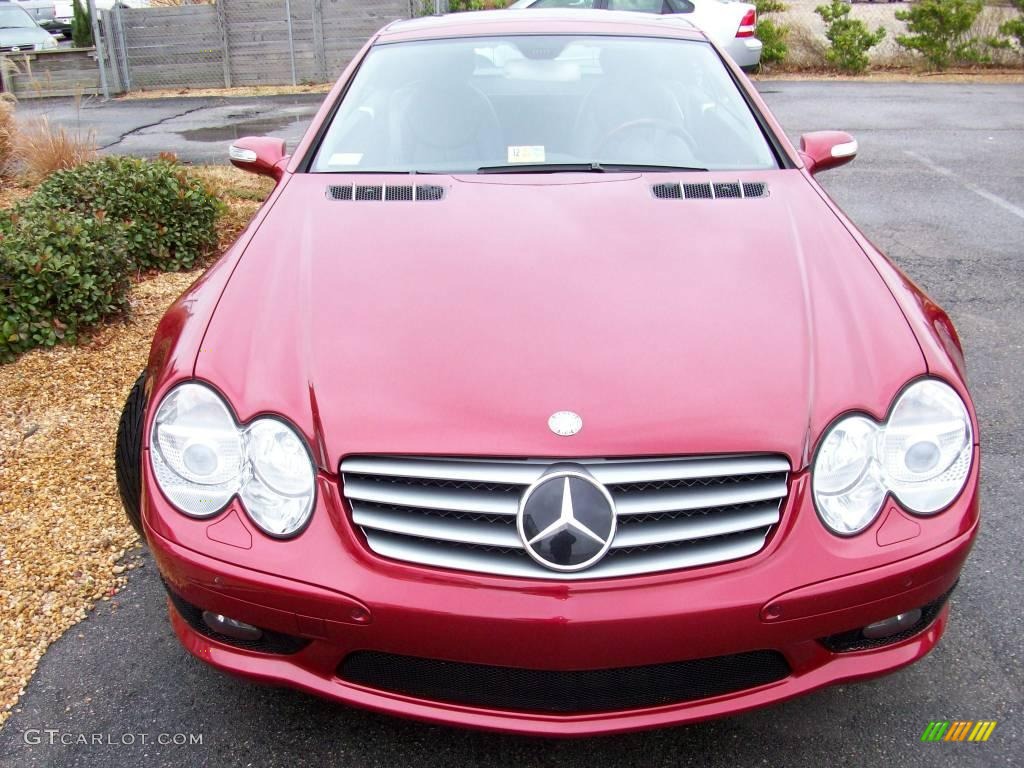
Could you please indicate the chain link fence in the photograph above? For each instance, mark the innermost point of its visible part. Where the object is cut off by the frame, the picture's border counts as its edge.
(241, 42)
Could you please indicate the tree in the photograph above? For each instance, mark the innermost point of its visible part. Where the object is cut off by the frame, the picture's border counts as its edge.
(941, 31)
(849, 38)
(81, 26)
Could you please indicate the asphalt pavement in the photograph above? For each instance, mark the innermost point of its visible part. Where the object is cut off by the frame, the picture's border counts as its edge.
(939, 186)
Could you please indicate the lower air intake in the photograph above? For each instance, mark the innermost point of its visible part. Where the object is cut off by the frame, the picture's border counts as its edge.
(534, 690)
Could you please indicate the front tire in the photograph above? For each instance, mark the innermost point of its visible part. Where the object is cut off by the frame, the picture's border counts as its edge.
(128, 454)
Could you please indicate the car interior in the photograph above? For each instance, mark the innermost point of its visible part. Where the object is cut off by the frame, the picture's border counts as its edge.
(460, 105)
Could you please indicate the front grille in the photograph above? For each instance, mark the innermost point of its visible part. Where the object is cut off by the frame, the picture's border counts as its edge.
(533, 690)
(854, 640)
(461, 513)
(270, 642)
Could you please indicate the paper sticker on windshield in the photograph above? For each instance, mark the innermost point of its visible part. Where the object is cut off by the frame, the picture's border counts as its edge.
(346, 158)
(526, 154)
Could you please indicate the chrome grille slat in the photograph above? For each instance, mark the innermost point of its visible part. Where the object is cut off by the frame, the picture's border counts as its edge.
(441, 555)
(438, 528)
(609, 472)
(432, 498)
(460, 513)
(674, 499)
(702, 527)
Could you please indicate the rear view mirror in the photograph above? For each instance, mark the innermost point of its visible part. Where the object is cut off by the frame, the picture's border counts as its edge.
(822, 150)
(259, 154)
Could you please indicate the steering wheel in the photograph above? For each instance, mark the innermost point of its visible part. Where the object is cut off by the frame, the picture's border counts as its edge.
(657, 129)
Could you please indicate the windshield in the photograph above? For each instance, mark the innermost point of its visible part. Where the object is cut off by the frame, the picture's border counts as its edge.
(543, 102)
(13, 17)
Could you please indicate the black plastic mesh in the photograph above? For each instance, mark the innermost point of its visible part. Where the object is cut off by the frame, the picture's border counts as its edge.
(529, 690)
(340, 192)
(697, 191)
(390, 193)
(369, 193)
(727, 189)
(667, 191)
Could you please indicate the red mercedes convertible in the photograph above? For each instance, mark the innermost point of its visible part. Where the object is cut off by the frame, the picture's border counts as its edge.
(549, 393)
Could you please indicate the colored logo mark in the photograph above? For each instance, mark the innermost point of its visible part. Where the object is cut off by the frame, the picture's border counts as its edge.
(958, 730)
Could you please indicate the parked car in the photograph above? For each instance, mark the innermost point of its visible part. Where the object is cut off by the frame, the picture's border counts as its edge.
(20, 32)
(549, 393)
(63, 15)
(729, 23)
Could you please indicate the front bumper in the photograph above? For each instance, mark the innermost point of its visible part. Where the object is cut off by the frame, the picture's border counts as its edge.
(329, 590)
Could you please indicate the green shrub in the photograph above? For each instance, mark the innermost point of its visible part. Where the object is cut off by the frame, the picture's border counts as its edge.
(773, 41)
(168, 216)
(771, 34)
(1015, 27)
(769, 6)
(849, 38)
(941, 31)
(60, 273)
(81, 25)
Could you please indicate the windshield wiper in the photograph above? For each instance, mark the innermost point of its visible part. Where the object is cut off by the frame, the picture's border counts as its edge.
(582, 168)
(621, 167)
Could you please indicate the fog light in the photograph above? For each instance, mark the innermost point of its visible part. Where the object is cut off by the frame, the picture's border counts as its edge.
(901, 622)
(239, 630)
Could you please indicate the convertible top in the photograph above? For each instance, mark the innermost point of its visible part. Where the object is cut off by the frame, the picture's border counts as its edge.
(540, 22)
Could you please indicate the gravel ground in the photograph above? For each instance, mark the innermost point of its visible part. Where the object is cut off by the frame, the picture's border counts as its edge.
(62, 529)
(63, 533)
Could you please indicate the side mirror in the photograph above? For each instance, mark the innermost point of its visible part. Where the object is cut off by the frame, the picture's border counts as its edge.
(259, 154)
(822, 150)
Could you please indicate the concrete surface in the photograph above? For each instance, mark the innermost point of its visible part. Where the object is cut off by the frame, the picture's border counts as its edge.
(197, 129)
(938, 186)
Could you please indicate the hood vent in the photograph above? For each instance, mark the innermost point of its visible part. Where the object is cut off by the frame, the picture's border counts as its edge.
(707, 191)
(385, 192)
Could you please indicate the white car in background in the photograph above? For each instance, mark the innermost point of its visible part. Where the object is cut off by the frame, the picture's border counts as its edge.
(20, 29)
(730, 24)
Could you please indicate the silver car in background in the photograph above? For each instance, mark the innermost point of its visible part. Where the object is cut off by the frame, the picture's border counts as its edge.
(729, 24)
(20, 31)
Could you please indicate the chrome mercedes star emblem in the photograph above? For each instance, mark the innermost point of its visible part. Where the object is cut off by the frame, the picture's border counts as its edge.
(566, 519)
(565, 423)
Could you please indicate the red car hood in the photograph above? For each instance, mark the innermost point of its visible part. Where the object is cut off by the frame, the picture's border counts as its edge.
(457, 327)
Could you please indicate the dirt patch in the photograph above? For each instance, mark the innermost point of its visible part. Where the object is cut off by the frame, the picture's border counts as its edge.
(260, 90)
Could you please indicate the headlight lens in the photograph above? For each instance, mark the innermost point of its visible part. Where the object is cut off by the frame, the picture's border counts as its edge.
(921, 455)
(201, 458)
(279, 493)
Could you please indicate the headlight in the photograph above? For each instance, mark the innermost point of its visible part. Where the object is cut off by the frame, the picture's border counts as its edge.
(921, 454)
(48, 44)
(201, 458)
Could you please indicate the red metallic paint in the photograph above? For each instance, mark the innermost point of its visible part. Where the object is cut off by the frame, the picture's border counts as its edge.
(824, 150)
(673, 327)
(270, 156)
